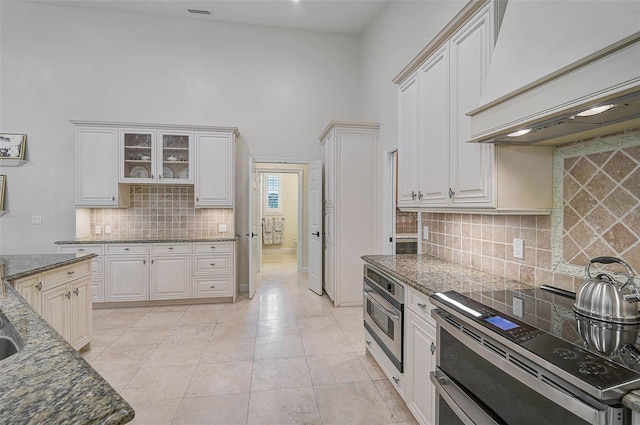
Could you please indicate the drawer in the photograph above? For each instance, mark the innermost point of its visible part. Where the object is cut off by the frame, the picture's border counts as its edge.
(97, 267)
(213, 263)
(171, 248)
(133, 248)
(65, 274)
(97, 290)
(213, 247)
(82, 249)
(212, 286)
(419, 304)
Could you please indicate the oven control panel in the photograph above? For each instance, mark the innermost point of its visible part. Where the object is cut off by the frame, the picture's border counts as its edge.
(505, 325)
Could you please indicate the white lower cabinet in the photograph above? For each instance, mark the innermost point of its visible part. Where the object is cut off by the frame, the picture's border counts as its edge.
(97, 266)
(62, 296)
(127, 278)
(420, 356)
(170, 277)
(213, 270)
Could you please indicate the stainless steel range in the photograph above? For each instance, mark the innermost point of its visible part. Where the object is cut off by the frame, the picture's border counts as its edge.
(495, 369)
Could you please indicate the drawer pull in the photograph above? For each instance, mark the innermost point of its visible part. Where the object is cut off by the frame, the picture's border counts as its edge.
(170, 247)
(212, 286)
(76, 291)
(422, 306)
(368, 342)
(68, 295)
(212, 264)
(396, 380)
(126, 249)
(39, 286)
(80, 249)
(71, 272)
(213, 247)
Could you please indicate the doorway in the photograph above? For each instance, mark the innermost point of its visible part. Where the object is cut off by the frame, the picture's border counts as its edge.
(282, 214)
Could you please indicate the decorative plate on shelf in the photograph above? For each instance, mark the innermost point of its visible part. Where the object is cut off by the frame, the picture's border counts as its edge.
(184, 173)
(139, 172)
(167, 173)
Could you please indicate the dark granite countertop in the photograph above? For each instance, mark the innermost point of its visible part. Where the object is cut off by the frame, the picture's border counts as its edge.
(48, 382)
(429, 274)
(145, 240)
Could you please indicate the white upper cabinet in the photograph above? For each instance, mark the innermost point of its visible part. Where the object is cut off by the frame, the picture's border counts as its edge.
(438, 169)
(155, 156)
(97, 168)
(215, 164)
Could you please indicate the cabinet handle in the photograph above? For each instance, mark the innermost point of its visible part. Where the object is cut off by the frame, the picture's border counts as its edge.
(153, 261)
(419, 194)
(170, 247)
(317, 234)
(144, 261)
(212, 286)
(71, 272)
(413, 195)
(422, 306)
(213, 247)
(80, 249)
(39, 286)
(68, 295)
(197, 199)
(151, 175)
(396, 380)
(368, 342)
(113, 198)
(212, 264)
(451, 193)
(433, 348)
(76, 291)
(126, 249)
(159, 176)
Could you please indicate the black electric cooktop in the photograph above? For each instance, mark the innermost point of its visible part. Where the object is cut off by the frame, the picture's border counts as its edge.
(599, 354)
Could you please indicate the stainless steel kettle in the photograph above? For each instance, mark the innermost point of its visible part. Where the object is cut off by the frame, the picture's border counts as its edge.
(602, 298)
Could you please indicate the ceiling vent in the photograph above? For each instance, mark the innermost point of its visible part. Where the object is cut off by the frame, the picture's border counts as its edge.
(199, 11)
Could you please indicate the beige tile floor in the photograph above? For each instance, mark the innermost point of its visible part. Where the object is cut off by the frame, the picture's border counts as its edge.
(285, 357)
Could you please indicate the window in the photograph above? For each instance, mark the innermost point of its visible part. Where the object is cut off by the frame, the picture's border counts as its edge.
(272, 199)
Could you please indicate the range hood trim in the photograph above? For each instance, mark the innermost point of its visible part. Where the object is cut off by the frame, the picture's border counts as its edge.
(617, 63)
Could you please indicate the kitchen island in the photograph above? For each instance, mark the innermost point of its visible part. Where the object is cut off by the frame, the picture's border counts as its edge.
(47, 381)
(549, 312)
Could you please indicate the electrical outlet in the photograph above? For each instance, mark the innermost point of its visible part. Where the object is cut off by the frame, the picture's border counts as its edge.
(222, 228)
(107, 229)
(425, 233)
(518, 249)
(98, 229)
(518, 307)
(36, 219)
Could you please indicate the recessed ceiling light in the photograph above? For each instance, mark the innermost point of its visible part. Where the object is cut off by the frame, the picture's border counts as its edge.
(199, 11)
(595, 111)
(519, 132)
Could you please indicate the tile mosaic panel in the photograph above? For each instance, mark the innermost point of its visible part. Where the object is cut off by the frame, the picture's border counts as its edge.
(164, 212)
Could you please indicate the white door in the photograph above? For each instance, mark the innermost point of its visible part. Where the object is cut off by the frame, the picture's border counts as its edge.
(315, 227)
(255, 236)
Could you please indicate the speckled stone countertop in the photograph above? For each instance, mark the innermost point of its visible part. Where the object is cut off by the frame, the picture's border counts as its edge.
(48, 382)
(145, 240)
(429, 274)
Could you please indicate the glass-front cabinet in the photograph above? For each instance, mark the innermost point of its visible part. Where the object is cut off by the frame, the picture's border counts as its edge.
(156, 156)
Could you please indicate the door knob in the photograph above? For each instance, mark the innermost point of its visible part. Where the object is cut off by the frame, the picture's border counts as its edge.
(316, 234)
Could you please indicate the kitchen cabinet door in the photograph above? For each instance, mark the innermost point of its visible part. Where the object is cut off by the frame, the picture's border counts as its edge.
(472, 164)
(138, 157)
(56, 309)
(433, 155)
(214, 169)
(31, 290)
(175, 157)
(408, 144)
(420, 362)
(97, 168)
(127, 278)
(170, 277)
(80, 313)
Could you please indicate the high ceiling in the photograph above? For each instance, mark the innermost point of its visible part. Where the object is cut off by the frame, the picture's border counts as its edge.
(339, 16)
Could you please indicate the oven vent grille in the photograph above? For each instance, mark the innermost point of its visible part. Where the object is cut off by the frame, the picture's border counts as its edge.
(523, 366)
(497, 350)
(472, 334)
(453, 323)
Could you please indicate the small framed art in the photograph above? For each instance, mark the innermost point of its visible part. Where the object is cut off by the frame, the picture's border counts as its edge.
(12, 146)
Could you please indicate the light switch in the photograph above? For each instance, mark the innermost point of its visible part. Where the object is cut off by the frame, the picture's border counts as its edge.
(518, 248)
(98, 229)
(36, 219)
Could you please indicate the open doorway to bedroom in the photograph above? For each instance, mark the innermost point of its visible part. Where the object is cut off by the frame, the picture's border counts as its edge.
(283, 194)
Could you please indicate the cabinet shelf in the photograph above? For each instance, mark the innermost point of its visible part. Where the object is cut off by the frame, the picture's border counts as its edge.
(175, 149)
(138, 147)
(176, 162)
(138, 161)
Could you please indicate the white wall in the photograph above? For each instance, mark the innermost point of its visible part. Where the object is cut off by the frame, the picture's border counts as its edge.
(279, 87)
(388, 45)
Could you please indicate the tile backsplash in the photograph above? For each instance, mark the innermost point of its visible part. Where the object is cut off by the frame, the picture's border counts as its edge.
(162, 211)
(406, 222)
(596, 213)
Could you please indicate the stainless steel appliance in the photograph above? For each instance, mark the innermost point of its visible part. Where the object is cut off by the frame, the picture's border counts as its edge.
(495, 369)
(384, 312)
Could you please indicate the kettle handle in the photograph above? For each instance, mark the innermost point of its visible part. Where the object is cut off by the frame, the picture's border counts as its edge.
(611, 260)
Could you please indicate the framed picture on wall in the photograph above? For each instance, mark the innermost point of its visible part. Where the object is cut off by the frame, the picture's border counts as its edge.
(3, 184)
(12, 146)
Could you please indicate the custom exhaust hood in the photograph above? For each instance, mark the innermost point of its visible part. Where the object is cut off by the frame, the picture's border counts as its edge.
(553, 62)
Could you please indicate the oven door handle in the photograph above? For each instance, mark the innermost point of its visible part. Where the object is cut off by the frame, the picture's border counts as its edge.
(463, 406)
(376, 302)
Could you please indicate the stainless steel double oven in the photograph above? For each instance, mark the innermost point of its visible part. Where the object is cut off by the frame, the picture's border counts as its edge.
(384, 313)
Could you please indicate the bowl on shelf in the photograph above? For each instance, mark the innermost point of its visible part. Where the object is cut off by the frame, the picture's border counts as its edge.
(172, 158)
(145, 157)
